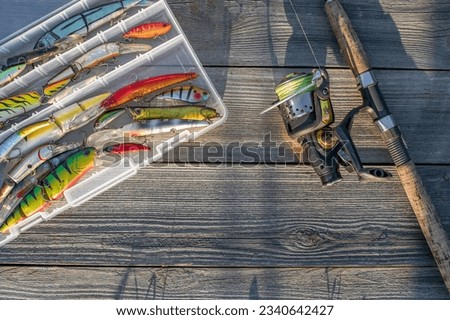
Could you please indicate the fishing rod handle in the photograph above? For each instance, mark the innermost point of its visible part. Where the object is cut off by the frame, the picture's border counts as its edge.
(429, 221)
(349, 43)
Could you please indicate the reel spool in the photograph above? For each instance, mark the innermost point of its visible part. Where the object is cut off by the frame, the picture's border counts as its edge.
(304, 102)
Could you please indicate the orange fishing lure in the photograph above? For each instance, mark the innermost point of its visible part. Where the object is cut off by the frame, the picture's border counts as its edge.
(148, 30)
(144, 87)
(124, 148)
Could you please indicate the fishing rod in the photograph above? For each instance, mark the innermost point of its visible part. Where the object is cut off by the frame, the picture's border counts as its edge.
(306, 109)
(375, 105)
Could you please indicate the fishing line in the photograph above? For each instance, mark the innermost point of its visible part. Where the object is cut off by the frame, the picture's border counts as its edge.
(295, 84)
(306, 36)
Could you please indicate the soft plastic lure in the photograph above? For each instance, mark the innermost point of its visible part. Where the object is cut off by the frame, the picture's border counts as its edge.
(148, 30)
(141, 129)
(10, 73)
(96, 56)
(18, 105)
(107, 118)
(183, 112)
(191, 94)
(144, 87)
(52, 187)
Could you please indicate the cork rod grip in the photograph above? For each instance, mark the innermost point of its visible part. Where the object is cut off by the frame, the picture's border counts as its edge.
(435, 234)
(349, 43)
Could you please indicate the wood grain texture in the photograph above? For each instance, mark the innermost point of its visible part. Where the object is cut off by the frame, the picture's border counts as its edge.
(159, 283)
(234, 216)
(395, 34)
(420, 111)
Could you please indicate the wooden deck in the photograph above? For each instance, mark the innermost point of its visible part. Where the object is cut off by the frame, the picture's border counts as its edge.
(249, 221)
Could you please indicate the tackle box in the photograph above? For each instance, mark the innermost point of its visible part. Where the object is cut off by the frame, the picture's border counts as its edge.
(170, 53)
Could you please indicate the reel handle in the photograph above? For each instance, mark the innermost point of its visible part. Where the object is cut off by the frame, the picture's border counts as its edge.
(327, 150)
(324, 162)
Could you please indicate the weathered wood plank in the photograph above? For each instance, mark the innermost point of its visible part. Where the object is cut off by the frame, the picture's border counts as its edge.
(396, 34)
(237, 216)
(266, 33)
(275, 225)
(221, 283)
(421, 111)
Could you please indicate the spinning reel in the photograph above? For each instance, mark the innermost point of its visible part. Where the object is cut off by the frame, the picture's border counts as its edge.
(305, 107)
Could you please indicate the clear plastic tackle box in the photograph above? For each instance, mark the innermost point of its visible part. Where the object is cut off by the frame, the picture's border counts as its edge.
(166, 54)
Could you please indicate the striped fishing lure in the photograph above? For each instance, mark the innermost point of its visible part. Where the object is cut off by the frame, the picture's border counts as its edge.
(52, 187)
(26, 185)
(17, 105)
(55, 87)
(144, 87)
(191, 94)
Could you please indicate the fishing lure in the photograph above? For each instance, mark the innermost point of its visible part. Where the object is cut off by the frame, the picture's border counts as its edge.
(59, 94)
(107, 117)
(63, 121)
(124, 148)
(52, 187)
(55, 87)
(29, 163)
(182, 112)
(36, 158)
(10, 73)
(7, 145)
(144, 87)
(18, 105)
(148, 30)
(191, 94)
(7, 186)
(27, 184)
(16, 65)
(86, 22)
(41, 54)
(95, 57)
(141, 129)
(78, 114)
